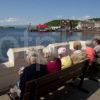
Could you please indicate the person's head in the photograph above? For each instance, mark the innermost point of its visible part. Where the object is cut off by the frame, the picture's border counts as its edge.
(31, 59)
(46, 52)
(88, 44)
(96, 41)
(51, 57)
(77, 45)
(62, 52)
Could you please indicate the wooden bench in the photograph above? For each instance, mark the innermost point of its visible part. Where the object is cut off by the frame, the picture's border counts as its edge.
(51, 82)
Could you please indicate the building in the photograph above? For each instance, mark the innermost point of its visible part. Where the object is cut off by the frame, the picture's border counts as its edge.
(55, 27)
(97, 24)
(83, 25)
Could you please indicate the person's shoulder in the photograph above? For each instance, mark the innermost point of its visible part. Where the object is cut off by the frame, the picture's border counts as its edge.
(96, 48)
(26, 69)
(65, 58)
(29, 67)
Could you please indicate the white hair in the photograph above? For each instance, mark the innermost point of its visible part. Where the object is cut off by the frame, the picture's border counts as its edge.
(88, 43)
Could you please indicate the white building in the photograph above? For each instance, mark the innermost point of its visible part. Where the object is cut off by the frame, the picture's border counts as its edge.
(97, 24)
(55, 27)
(79, 26)
(85, 25)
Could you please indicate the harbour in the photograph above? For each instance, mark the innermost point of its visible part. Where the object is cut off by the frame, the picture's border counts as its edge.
(49, 50)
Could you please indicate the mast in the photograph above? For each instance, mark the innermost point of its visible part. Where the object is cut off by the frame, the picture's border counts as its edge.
(29, 27)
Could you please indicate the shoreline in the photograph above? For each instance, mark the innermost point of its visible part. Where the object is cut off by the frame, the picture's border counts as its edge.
(88, 31)
(83, 31)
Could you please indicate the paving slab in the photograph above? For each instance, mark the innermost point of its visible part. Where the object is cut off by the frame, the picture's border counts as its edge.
(4, 97)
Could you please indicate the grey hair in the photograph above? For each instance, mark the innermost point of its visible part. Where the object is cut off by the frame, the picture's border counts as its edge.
(30, 59)
(88, 43)
(31, 51)
(33, 59)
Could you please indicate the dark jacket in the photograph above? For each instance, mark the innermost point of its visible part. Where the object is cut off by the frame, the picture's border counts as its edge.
(31, 72)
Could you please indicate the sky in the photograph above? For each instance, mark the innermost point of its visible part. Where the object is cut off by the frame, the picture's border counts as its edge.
(20, 12)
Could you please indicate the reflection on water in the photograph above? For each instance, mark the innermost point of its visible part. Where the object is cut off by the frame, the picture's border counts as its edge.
(11, 38)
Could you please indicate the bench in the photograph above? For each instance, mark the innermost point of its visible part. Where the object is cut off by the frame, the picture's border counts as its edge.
(41, 87)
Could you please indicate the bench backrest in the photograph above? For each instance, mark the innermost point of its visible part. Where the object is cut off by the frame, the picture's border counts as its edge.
(49, 83)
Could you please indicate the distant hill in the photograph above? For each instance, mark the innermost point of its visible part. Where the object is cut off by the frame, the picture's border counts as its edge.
(95, 19)
(58, 23)
(7, 27)
(54, 23)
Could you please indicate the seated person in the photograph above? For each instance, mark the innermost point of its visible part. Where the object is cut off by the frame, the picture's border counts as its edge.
(65, 59)
(14, 92)
(77, 47)
(54, 64)
(96, 43)
(31, 72)
(90, 53)
(95, 68)
(46, 54)
(77, 55)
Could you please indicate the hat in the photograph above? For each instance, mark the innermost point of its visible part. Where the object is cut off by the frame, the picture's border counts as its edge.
(62, 50)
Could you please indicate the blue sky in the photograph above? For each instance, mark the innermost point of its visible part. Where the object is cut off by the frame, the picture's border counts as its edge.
(39, 11)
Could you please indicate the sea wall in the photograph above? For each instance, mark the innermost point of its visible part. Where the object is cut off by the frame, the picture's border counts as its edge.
(16, 56)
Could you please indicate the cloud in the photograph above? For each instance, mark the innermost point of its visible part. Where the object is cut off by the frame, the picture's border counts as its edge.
(87, 17)
(59, 17)
(19, 20)
(84, 17)
(8, 20)
(13, 21)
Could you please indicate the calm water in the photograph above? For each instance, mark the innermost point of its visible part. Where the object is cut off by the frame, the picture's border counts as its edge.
(10, 38)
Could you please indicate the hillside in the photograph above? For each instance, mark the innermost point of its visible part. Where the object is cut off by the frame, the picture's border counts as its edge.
(95, 19)
(73, 23)
(54, 23)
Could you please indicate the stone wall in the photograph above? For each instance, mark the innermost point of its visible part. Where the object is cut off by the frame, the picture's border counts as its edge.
(17, 55)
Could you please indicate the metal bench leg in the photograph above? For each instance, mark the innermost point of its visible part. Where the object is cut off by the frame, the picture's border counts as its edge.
(80, 86)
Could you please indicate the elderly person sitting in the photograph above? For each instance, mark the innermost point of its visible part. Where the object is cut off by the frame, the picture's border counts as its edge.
(53, 64)
(77, 47)
(90, 53)
(77, 55)
(65, 58)
(96, 43)
(31, 72)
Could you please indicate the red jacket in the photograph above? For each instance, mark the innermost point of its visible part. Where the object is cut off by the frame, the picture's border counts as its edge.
(90, 53)
(53, 66)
